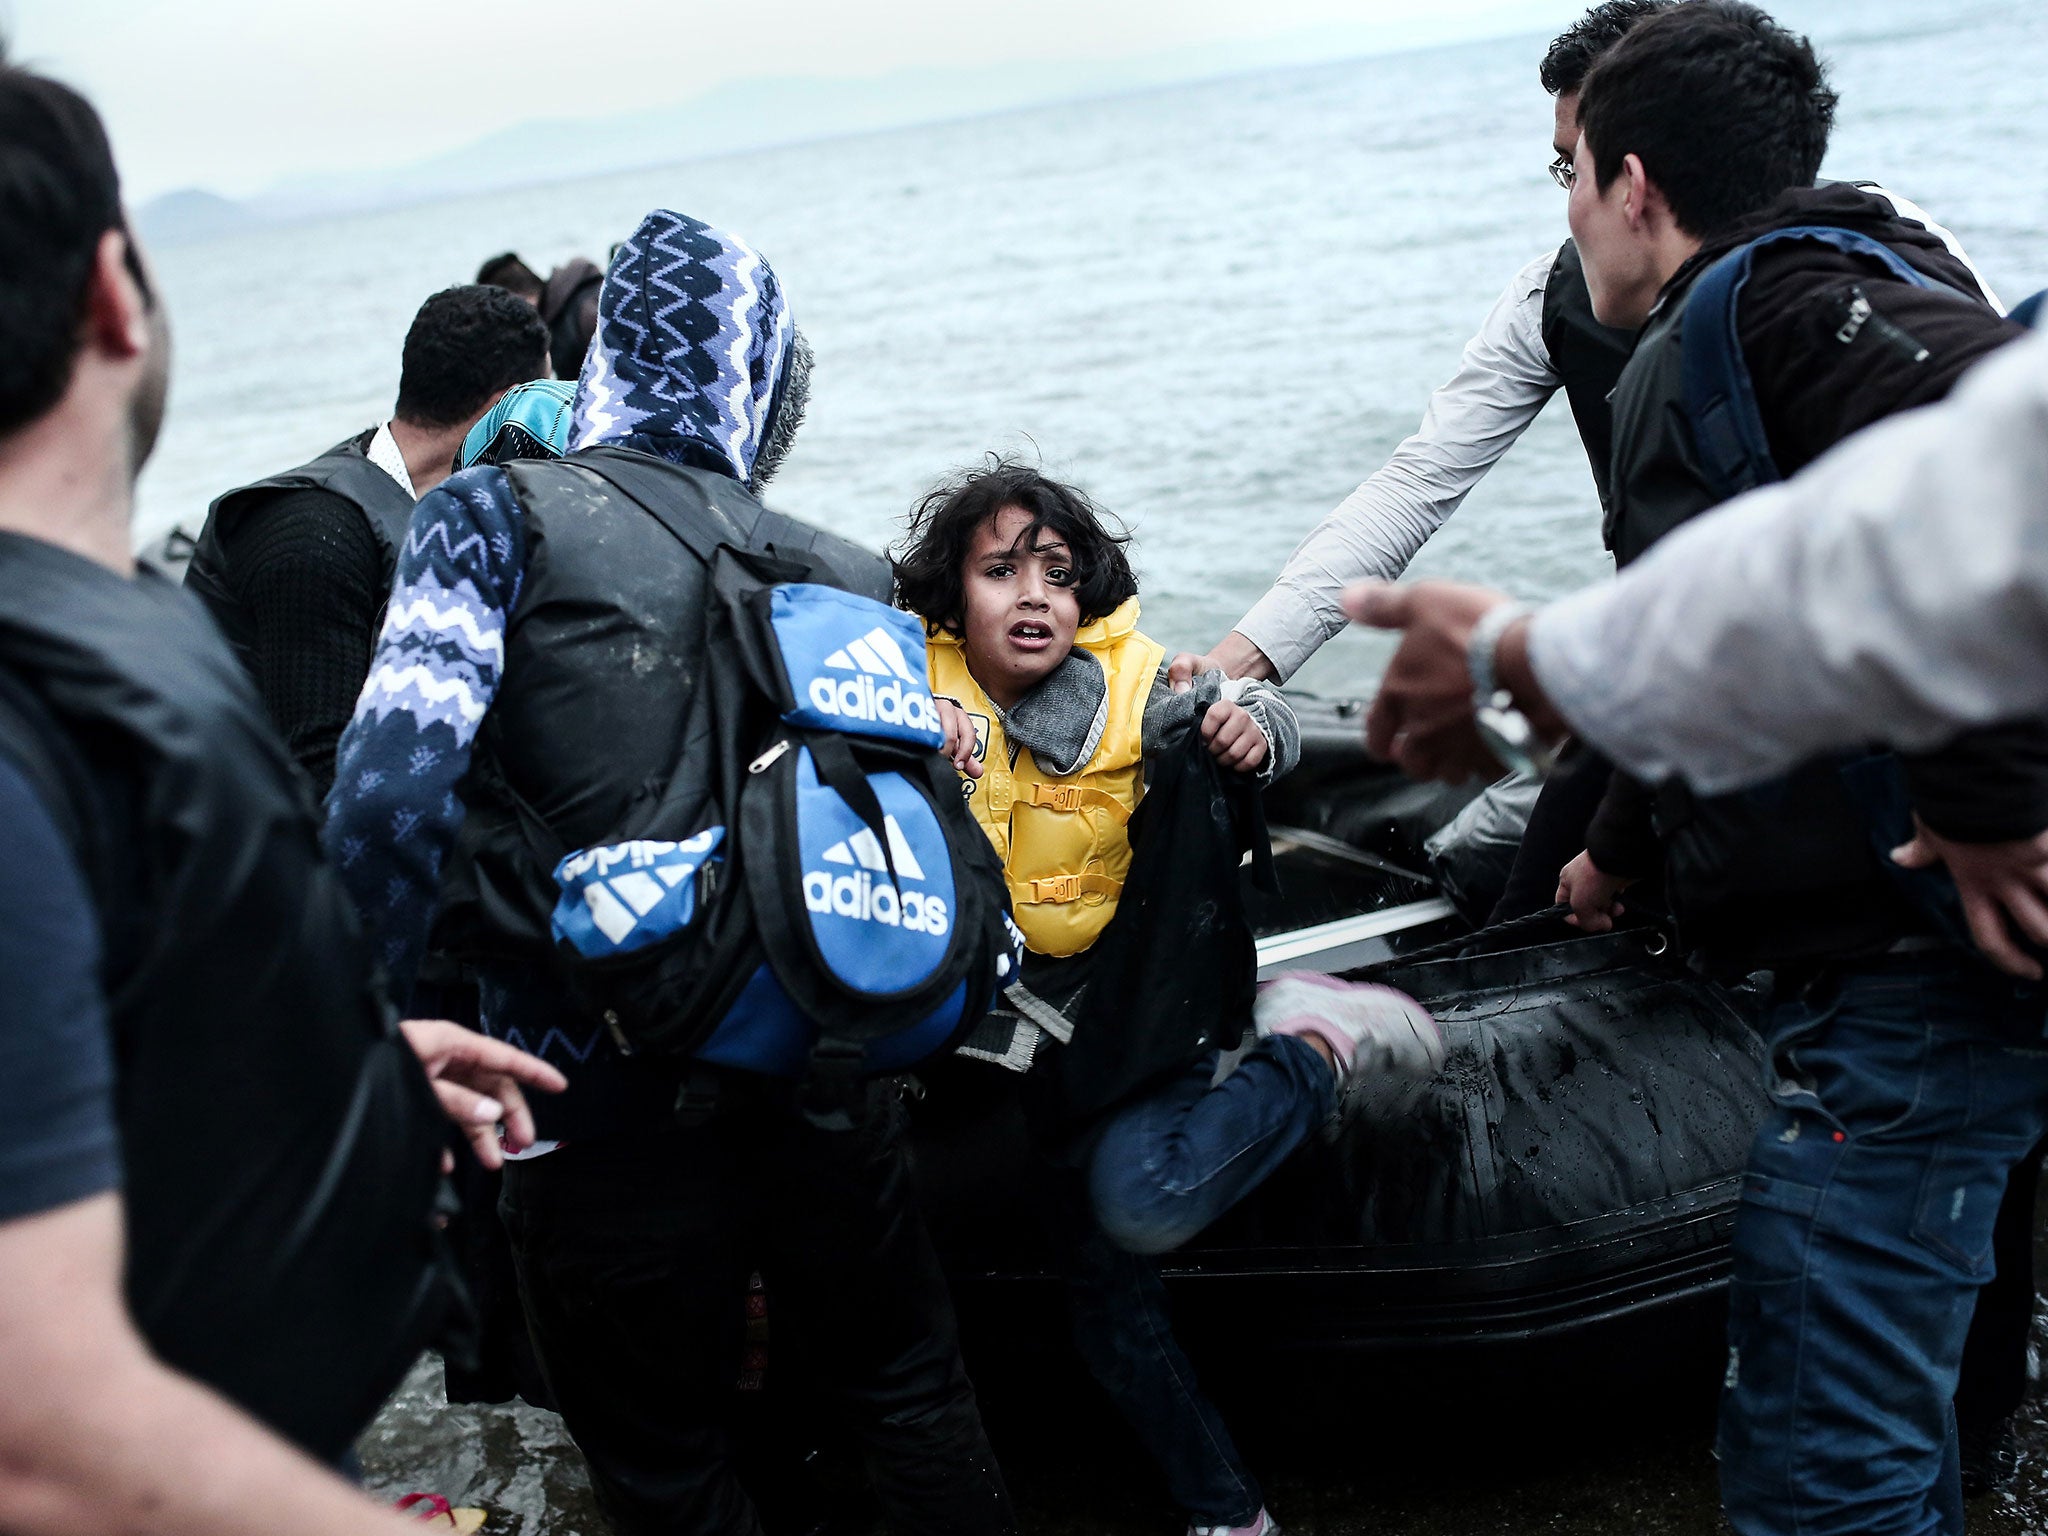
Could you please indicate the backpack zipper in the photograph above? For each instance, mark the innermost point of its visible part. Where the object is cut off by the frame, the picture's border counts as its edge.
(767, 759)
(1862, 314)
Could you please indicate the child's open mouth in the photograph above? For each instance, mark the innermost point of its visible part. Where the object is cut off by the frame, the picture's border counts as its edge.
(1031, 635)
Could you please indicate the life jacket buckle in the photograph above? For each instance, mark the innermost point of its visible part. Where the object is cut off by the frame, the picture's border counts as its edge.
(1056, 888)
(1057, 797)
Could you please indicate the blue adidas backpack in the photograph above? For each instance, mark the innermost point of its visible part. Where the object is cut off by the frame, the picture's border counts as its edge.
(809, 895)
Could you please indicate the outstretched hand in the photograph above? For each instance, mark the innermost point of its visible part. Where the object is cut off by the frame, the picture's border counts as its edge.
(1422, 717)
(1233, 656)
(480, 1083)
(2004, 886)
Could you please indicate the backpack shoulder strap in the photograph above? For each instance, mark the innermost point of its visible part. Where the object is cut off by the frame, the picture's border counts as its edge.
(708, 525)
(1720, 399)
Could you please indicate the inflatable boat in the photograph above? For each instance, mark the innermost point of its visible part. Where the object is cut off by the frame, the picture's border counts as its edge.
(1577, 1160)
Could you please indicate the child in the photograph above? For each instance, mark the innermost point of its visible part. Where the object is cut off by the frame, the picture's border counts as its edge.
(1052, 700)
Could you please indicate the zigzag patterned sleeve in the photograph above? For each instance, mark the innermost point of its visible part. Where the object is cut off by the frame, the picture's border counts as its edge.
(393, 814)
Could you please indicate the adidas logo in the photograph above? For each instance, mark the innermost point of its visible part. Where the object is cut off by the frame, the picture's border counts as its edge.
(902, 697)
(617, 902)
(859, 895)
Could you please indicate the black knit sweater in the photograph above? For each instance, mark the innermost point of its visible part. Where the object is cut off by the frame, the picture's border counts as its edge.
(308, 569)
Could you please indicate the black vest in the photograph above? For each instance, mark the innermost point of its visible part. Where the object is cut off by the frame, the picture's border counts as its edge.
(344, 470)
(1655, 481)
(601, 660)
(1784, 872)
(1586, 355)
(280, 1145)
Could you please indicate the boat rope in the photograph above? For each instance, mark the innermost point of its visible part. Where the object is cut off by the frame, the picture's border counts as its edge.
(1514, 927)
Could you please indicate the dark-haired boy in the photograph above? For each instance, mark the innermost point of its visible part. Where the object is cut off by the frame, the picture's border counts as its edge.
(296, 567)
(1908, 1078)
(1541, 336)
(1055, 710)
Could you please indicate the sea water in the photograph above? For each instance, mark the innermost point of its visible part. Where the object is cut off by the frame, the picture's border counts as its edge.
(1218, 306)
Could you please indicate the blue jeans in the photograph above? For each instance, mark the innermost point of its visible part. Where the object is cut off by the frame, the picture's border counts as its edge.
(1157, 1173)
(1170, 1164)
(1905, 1094)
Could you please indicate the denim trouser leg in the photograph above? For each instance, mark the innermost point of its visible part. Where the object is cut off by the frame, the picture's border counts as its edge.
(1123, 1330)
(1165, 1167)
(1904, 1098)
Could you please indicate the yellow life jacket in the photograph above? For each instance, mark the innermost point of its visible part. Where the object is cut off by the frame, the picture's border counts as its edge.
(1063, 840)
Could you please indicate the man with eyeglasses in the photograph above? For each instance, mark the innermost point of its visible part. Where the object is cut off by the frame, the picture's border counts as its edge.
(1539, 337)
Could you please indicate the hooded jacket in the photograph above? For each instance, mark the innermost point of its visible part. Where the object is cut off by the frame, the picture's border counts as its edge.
(1833, 343)
(465, 693)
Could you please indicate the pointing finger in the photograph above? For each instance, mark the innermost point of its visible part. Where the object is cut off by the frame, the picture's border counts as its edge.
(1382, 604)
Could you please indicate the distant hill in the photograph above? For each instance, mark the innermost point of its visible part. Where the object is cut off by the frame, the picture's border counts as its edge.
(190, 215)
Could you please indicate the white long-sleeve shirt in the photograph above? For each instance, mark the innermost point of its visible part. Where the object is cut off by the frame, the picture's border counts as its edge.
(1503, 381)
(1897, 590)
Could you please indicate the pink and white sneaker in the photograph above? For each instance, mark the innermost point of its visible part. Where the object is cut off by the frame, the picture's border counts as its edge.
(1383, 1041)
(1262, 1524)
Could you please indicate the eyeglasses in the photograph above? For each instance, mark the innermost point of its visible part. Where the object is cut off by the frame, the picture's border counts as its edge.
(1563, 172)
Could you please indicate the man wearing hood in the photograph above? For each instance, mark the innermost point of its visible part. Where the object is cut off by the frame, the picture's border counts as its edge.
(535, 658)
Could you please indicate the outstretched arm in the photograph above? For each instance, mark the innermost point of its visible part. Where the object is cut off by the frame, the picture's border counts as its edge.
(1503, 380)
(1898, 589)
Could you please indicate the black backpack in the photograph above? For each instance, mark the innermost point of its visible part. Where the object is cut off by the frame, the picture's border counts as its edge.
(1735, 456)
(808, 894)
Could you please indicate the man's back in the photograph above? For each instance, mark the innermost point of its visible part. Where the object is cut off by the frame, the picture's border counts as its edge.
(273, 1177)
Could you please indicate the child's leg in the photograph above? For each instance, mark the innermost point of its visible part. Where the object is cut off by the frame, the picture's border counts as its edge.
(1167, 1166)
(1124, 1333)
(1170, 1164)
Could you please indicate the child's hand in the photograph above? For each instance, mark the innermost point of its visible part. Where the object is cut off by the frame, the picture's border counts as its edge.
(1234, 737)
(959, 745)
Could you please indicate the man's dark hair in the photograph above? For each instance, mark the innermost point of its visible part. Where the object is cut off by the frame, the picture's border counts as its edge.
(467, 344)
(58, 195)
(1573, 51)
(1725, 108)
(508, 272)
(930, 573)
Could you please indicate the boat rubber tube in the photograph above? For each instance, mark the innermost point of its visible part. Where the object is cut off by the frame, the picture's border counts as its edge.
(1580, 1153)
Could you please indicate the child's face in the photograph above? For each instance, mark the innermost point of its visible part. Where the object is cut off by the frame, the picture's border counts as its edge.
(1021, 610)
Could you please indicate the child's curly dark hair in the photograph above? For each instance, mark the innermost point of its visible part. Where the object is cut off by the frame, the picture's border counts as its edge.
(929, 569)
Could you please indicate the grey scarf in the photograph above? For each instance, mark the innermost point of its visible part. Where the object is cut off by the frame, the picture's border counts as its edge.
(1060, 721)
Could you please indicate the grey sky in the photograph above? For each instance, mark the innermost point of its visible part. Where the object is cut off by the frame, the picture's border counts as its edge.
(237, 95)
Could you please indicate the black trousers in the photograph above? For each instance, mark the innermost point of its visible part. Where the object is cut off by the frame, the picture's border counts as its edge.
(633, 1255)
